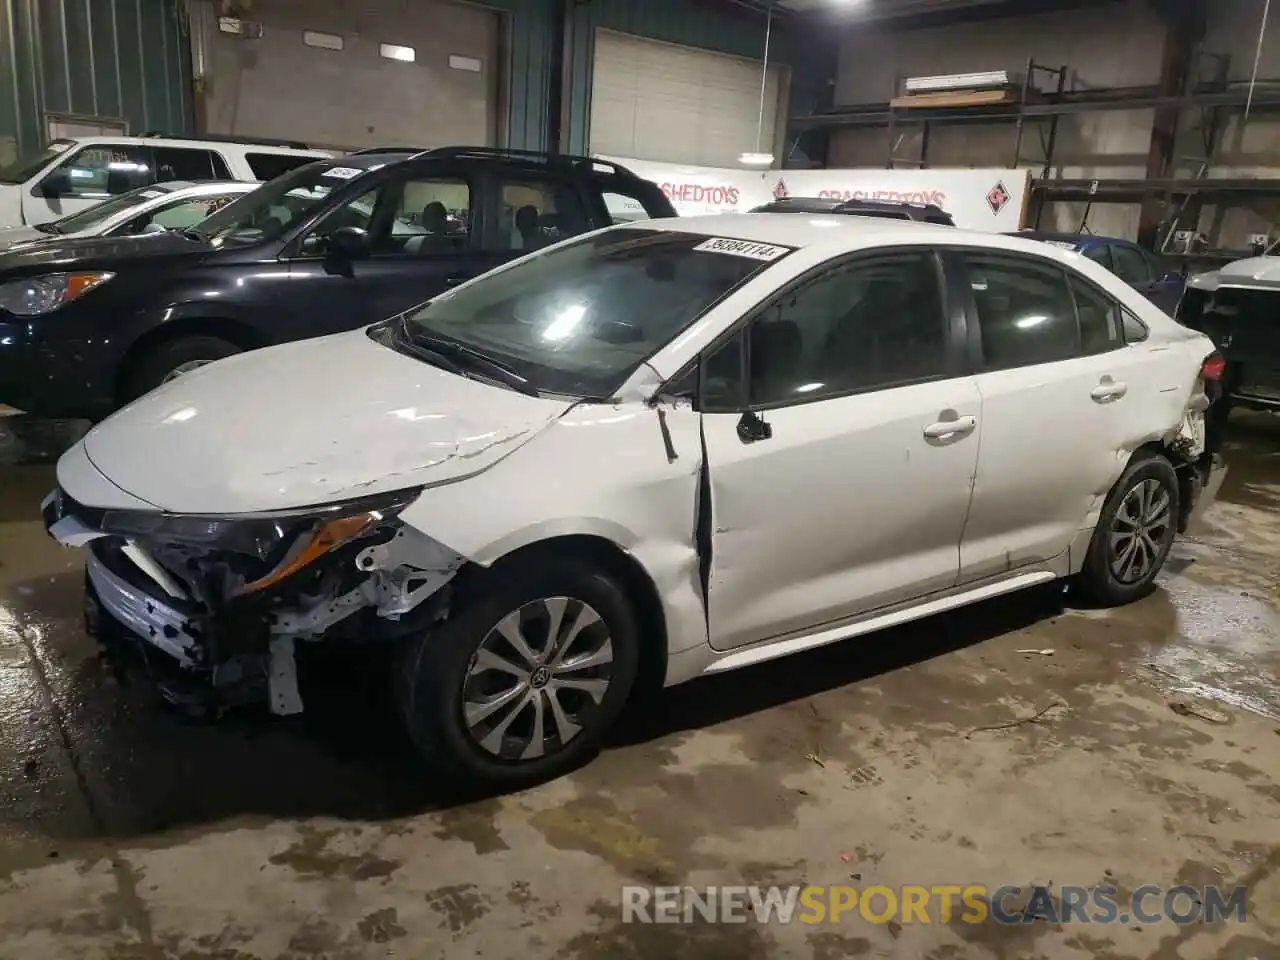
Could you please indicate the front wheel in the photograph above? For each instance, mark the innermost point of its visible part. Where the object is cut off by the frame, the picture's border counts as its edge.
(173, 358)
(522, 683)
(1134, 534)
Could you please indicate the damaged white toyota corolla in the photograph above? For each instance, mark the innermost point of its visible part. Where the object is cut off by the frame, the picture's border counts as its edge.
(654, 452)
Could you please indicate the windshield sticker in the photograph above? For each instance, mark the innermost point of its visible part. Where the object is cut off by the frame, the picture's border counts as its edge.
(743, 248)
(151, 194)
(343, 173)
(1063, 244)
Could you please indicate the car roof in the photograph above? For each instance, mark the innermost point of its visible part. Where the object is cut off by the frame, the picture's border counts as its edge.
(1259, 273)
(199, 144)
(834, 233)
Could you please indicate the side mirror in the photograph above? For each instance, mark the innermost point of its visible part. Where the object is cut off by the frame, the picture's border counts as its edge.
(348, 242)
(56, 184)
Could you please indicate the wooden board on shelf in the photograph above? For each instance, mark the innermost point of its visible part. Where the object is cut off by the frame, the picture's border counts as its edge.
(955, 98)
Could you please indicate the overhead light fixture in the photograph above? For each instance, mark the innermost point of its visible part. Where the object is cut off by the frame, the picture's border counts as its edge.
(755, 159)
(958, 81)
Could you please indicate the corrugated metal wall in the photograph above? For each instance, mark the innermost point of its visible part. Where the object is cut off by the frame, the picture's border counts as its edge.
(130, 59)
(675, 21)
(119, 59)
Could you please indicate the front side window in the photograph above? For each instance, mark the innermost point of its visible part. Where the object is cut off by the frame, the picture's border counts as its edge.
(579, 319)
(419, 216)
(100, 212)
(101, 171)
(24, 168)
(1025, 311)
(1131, 264)
(860, 326)
(268, 212)
(185, 214)
(535, 213)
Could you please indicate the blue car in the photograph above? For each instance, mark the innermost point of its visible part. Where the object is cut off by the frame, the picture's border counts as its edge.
(1162, 283)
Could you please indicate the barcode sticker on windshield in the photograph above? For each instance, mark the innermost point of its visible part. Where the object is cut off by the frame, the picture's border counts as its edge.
(342, 173)
(743, 248)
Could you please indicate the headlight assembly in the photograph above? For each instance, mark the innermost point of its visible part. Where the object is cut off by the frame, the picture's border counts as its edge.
(284, 542)
(35, 296)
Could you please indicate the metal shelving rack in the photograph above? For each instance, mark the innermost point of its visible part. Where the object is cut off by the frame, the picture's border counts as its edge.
(1042, 107)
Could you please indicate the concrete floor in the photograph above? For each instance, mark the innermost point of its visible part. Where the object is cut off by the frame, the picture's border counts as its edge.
(127, 835)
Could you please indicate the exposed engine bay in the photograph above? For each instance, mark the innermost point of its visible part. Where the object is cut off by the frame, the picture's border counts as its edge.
(227, 598)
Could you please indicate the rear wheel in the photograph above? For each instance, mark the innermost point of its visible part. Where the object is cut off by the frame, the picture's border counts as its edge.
(522, 683)
(1134, 534)
(171, 359)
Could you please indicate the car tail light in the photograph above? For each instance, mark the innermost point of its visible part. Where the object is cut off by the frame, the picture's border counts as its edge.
(1213, 368)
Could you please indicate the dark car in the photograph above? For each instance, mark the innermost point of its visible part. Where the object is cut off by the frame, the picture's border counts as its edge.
(886, 209)
(1144, 271)
(87, 325)
(1237, 307)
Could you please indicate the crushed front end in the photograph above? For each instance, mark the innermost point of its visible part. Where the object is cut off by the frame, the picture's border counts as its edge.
(224, 600)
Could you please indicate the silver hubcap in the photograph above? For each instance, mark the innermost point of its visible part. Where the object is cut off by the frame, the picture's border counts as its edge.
(536, 677)
(182, 368)
(1139, 530)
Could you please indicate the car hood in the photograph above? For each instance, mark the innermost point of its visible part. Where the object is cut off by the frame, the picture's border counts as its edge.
(313, 422)
(14, 235)
(81, 253)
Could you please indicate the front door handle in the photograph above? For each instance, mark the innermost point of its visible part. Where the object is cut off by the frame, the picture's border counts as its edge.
(1109, 390)
(944, 429)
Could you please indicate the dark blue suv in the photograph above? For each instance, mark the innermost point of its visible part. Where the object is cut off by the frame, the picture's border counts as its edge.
(1146, 273)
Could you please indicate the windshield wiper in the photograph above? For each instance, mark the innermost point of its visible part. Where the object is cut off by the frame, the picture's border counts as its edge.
(465, 358)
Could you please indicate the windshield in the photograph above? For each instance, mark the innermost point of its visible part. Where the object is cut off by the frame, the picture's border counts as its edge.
(100, 212)
(24, 168)
(273, 208)
(578, 319)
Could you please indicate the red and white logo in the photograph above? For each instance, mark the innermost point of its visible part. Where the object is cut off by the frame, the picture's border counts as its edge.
(998, 198)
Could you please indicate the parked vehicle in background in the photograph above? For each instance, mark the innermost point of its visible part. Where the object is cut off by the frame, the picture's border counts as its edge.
(72, 174)
(1147, 273)
(1238, 307)
(660, 451)
(885, 209)
(89, 324)
(174, 205)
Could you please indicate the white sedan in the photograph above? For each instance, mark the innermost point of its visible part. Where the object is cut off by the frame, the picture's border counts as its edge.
(172, 205)
(658, 451)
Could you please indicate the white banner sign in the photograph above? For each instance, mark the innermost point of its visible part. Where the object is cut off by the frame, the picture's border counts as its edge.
(992, 199)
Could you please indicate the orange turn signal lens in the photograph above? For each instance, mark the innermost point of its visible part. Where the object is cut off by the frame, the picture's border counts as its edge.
(330, 536)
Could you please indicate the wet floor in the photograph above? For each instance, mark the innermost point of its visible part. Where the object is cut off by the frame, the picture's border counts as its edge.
(897, 759)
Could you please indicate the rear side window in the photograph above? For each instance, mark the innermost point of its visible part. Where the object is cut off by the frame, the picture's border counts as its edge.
(535, 212)
(268, 166)
(182, 163)
(628, 199)
(1025, 310)
(1099, 318)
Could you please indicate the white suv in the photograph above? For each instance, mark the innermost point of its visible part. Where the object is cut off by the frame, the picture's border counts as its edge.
(658, 451)
(72, 174)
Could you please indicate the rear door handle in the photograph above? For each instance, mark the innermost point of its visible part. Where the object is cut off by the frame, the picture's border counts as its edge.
(1106, 392)
(950, 428)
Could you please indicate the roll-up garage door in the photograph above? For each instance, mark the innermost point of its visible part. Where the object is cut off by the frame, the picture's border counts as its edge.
(331, 73)
(659, 101)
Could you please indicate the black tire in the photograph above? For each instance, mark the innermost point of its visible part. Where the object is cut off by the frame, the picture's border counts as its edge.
(432, 671)
(1098, 581)
(159, 361)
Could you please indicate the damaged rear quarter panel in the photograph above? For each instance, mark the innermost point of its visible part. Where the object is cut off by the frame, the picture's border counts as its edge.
(601, 470)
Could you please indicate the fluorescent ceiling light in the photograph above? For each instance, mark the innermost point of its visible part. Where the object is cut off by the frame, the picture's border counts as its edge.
(957, 81)
(755, 159)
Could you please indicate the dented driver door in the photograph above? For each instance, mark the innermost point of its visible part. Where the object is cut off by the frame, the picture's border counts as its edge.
(823, 507)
